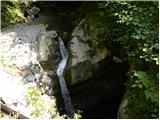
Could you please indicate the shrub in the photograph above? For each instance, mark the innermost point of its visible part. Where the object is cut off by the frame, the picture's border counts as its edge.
(11, 13)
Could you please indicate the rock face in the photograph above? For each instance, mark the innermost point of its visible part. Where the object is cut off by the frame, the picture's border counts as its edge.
(48, 56)
(32, 53)
(29, 54)
(82, 62)
(48, 50)
(122, 113)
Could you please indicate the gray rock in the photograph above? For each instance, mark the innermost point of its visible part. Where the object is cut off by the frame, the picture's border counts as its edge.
(122, 113)
(82, 62)
(78, 51)
(78, 31)
(47, 50)
(20, 45)
(30, 78)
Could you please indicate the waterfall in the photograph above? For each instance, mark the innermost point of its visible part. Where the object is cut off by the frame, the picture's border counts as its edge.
(64, 90)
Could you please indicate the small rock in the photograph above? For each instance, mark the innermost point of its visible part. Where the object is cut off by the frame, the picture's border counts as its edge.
(30, 78)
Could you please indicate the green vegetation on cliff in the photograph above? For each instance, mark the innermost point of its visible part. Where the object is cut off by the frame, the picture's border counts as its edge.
(135, 27)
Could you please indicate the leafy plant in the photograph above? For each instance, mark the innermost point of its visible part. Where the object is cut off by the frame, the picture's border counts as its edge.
(134, 26)
(77, 115)
(142, 92)
(117, 60)
(2, 60)
(11, 12)
(33, 98)
(5, 61)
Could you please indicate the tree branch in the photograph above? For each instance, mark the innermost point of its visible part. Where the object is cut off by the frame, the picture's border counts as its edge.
(12, 112)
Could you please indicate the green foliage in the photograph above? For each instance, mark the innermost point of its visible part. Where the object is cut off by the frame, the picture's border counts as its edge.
(139, 36)
(11, 13)
(139, 30)
(5, 62)
(134, 26)
(33, 98)
(77, 115)
(142, 92)
(95, 24)
(117, 60)
(2, 60)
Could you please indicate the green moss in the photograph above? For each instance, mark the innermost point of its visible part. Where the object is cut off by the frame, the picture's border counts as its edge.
(33, 98)
(142, 91)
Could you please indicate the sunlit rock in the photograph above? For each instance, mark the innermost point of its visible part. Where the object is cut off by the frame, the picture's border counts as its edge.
(21, 69)
(83, 62)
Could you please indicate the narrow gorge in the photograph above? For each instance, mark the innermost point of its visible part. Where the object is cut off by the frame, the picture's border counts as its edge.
(75, 62)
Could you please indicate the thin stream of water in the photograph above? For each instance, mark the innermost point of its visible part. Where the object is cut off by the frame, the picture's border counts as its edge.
(64, 90)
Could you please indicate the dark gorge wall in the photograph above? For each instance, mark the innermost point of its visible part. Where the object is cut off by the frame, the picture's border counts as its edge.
(100, 96)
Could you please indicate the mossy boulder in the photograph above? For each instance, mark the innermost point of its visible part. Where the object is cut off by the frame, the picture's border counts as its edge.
(83, 60)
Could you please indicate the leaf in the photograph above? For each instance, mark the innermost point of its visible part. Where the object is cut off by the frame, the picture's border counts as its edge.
(117, 60)
(134, 85)
(140, 86)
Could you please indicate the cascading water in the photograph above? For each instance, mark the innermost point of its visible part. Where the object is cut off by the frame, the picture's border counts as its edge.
(64, 90)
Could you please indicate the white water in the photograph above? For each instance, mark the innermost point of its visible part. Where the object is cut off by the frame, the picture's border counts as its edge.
(64, 90)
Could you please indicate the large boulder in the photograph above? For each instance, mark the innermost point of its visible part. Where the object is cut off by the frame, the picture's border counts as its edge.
(83, 60)
(18, 44)
(48, 57)
(30, 53)
(48, 50)
(27, 69)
